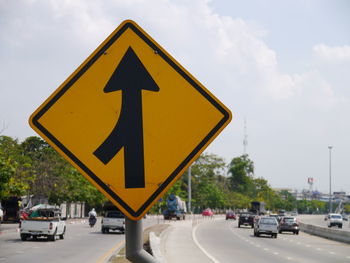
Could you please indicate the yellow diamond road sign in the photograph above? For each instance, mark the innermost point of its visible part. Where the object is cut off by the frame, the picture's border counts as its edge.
(131, 119)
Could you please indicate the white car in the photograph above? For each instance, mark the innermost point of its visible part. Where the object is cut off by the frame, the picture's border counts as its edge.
(335, 220)
(267, 226)
(1, 215)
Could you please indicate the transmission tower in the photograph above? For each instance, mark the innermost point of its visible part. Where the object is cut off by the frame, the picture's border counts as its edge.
(245, 138)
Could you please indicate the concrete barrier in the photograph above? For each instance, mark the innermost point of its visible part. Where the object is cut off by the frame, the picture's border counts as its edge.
(330, 233)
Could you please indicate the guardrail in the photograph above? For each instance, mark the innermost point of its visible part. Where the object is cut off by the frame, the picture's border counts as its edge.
(334, 234)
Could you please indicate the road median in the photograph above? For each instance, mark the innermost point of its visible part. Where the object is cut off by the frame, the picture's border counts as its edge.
(329, 233)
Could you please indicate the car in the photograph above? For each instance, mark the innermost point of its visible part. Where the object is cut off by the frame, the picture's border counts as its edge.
(230, 215)
(334, 220)
(113, 220)
(1, 215)
(246, 219)
(267, 226)
(207, 212)
(289, 224)
(294, 213)
(278, 217)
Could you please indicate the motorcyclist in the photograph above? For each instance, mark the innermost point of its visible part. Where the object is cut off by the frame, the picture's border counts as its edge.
(92, 213)
(92, 217)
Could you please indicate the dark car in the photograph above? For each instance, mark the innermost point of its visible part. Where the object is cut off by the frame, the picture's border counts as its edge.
(230, 215)
(246, 219)
(289, 224)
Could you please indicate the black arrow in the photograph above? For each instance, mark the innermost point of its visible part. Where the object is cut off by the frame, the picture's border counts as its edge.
(130, 77)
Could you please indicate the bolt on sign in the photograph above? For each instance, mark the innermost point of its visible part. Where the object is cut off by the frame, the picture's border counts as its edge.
(131, 119)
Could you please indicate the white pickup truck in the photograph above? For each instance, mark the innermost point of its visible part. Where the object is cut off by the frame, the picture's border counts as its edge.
(46, 222)
(113, 220)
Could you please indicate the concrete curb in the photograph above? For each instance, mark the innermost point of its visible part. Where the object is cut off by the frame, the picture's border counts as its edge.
(334, 234)
(154, 243)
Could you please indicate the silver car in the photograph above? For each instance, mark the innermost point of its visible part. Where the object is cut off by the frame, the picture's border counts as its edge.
(267, 226)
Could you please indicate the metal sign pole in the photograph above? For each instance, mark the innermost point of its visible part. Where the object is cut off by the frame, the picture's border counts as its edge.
(134, 243)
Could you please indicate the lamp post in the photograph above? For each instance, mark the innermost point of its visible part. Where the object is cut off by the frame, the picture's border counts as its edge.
(330, 178)
(189, 190)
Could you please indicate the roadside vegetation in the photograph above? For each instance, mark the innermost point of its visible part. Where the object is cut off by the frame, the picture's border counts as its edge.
(32, 167)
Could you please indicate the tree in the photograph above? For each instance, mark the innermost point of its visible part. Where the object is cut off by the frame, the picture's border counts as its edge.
(241, 171)
(6, 172)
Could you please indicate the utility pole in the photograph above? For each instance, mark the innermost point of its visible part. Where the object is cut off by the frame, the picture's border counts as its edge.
(189, 185)
(330, 178)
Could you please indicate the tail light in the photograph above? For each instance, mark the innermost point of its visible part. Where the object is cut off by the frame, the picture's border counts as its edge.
(50, 226)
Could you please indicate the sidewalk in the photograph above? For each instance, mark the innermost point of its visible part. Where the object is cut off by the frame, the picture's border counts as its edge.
(177, 243)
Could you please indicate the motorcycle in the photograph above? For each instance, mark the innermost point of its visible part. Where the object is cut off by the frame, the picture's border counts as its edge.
(92, 221)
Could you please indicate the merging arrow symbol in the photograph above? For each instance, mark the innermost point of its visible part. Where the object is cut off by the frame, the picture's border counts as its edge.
(131, 77)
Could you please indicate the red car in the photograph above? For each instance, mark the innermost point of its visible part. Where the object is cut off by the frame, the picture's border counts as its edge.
(230, 215)
(207, 212)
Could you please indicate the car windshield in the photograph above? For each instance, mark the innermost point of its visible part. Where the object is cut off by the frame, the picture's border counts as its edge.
(268, 221)
(245, 215)
(336, 217)
(115, 214)
(289, 220)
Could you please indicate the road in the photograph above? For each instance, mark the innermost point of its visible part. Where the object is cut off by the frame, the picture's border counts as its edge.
(225, 242)
(81, 244)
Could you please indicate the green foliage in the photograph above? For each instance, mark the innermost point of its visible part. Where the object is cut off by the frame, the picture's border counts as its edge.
(347, 208)
(241, 171)
(6, 173)
(34, 168)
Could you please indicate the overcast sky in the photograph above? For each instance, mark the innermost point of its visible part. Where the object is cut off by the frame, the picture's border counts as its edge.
(282, 65)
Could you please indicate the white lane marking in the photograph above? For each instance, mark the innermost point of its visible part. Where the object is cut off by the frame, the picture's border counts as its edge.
(200, 247)
(289, 258)
(319, 249)
(275, 253)
(19, 252)
(266, 249)
(308, 245)
(331, 252)
(298, 243)
(348, 257)
(258, 246)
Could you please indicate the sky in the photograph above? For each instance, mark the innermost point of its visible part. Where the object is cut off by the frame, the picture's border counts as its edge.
(283, 66)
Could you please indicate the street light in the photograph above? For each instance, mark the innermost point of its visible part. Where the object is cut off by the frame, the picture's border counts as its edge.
(330, 178)
(189, 189)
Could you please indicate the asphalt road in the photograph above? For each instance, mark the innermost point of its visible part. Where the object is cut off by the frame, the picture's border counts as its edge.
(81, 244)
(225, 242)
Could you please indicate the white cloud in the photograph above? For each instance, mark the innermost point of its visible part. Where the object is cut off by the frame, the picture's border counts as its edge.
(325, 52)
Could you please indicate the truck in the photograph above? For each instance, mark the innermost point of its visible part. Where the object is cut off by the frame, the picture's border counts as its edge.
(113, 220)
(11, 208)
(175, 208)
(258, 208)
(44, 221)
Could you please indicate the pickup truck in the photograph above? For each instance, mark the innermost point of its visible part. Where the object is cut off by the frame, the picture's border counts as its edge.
(246, 219)
(45, 222)
(335, 220)
(113, 220)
